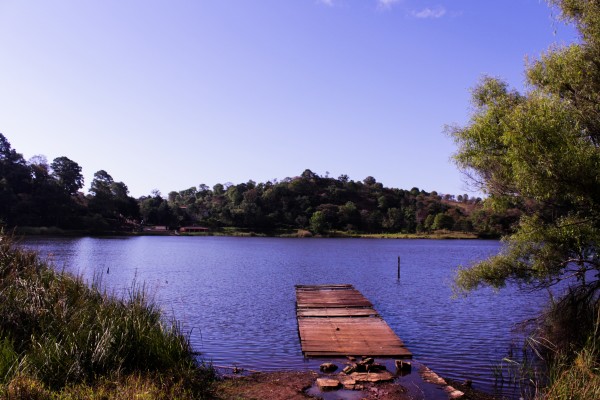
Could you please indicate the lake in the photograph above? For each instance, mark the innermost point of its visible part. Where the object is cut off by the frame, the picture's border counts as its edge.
(237, 297)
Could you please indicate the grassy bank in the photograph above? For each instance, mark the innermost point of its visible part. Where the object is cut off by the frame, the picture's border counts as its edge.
(302, 233)
(432, 235)
(240, 232)
(560, 355)
(572, 327)
(62, 339)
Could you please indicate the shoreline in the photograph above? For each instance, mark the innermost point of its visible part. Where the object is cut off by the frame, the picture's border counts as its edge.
(301, 384)
(299, 234)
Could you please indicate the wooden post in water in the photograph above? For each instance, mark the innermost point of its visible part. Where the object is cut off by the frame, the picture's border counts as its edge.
(398, 267)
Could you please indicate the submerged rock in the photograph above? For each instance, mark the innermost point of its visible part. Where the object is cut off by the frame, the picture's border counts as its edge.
(403, 366)
(328, 367)
(349, 369)
(372, 377)
(453, 393)
(328, 383)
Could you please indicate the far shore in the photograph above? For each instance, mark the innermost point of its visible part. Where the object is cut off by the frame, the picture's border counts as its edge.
(233, 232)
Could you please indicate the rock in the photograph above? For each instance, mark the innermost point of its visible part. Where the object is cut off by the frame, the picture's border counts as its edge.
(328, 367)
(372, 376)
(375, 367)
(347, 382)
(349, 369)
(468, 383)
(363, 366)
(431, 377)
(360, 367)
(403, 366)
(367, 361)
(328, 383)
(453, 393)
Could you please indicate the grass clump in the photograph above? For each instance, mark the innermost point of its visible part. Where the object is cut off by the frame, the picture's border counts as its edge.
(579, 379)
(574, 329)
(57, 333)
(560, 358)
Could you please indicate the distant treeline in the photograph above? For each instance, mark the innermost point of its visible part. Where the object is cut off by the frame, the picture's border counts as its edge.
(36, 193)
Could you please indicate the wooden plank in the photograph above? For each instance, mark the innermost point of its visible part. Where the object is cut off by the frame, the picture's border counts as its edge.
(348, 297)
(336, 312)
(337, 320)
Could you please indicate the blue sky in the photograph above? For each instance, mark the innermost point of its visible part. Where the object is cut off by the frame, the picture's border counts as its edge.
(171, 94)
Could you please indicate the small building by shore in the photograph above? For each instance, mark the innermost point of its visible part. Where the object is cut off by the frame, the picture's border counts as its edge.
(193, 229)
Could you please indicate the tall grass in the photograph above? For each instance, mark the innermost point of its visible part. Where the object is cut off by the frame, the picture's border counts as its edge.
(560, 359)
(58, 331)
(575, 373)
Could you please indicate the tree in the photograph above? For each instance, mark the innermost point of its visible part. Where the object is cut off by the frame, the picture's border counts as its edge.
(101, 184)
(39, 168)
(317, 222)
(540, 150)
(68, 174)
(442, 221)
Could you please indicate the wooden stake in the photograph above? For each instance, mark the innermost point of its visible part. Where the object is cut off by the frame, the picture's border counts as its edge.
(398, 267)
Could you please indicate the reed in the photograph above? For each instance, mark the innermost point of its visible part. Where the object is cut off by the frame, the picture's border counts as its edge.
(560, 358)
(577, 375)
(57, 331)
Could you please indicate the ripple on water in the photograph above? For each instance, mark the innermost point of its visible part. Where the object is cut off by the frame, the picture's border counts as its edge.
(237, 296)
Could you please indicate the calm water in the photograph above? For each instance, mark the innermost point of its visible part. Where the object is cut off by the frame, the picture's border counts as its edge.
(237, 297)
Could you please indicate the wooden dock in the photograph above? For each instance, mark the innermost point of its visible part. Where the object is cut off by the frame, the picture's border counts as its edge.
(338, 321)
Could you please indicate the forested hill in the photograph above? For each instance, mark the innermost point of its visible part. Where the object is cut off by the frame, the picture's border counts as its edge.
(37, 193)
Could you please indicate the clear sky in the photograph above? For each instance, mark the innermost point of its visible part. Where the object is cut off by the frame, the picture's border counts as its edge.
(171, 94)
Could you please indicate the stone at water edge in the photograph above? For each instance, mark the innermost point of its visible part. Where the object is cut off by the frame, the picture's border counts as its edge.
(328, 367)
(347, 382)
(367, 361)
(383, 376)
(376, 367)
(349, 369)
(403, 366)
(431, 377)
(328, 384)
(453, 393)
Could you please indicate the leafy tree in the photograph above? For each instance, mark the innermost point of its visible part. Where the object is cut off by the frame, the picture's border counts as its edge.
(68, 174)
(101, 184)
(442, 221)
(318, 223)
(111, 199)
(428, 224)
(154, 210)
(369, 181)
(540, 150)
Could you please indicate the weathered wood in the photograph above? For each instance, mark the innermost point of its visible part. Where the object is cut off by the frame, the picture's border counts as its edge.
(337, 320)
(336, 312)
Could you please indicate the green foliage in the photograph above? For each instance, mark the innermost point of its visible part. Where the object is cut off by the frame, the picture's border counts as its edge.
(8, 359)
(36, 195)
(318, 223)
(577, 380)
(68, 174)
(540, 151)
(442, 221)
(540, 148)
(343, 205)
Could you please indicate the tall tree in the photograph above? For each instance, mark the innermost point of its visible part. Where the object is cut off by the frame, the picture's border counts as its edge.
(68, 174)
(101, 184)
(540, 150)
